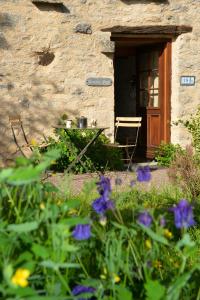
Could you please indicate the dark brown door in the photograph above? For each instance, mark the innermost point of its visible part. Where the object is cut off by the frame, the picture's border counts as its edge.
(153, 96)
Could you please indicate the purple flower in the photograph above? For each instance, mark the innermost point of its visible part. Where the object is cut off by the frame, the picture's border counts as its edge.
(162, 222)
(102, 204)
(118, 181)
(143, 174)
(81, 289)
(104, 185)
(82, 232)
(183, 214)
(145, 219)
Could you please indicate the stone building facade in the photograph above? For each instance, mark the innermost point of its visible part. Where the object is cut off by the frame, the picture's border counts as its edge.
(50, 49)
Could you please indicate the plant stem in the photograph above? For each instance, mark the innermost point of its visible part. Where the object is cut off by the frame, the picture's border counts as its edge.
(64, 282)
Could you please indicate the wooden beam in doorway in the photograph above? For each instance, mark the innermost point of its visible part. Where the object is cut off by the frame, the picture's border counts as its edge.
(171, 30)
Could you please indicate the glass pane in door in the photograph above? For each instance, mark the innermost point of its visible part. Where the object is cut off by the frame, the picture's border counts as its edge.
(154, 99)
(154, 80)
(149, 79)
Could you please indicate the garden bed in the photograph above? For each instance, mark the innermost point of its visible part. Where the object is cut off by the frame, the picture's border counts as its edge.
(108, 241)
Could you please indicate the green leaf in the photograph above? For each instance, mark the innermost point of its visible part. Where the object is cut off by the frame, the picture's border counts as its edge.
(156, 237)
(47, 159)
(175, 289)
(123, 293)
(49, 298)
(23, 292)
(24, 227)
(7, 273)
(4, 174)
(71, 248)
(40, 251)
(25, 256)
(75, 220)
(22, 161)
(154, 290)
(24, 175)
(56, 266)
(185, 241)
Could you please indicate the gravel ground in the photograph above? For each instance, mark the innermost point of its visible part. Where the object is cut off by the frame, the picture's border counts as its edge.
(159, 179)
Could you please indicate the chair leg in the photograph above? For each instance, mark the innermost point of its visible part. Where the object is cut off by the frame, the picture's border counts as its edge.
(131, 157)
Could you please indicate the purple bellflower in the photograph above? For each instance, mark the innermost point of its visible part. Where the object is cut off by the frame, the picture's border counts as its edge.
(145, 219)
(102, 204)
(183, 214)
(104, 185)
(81, 289)
(82, 232)
(143, 174)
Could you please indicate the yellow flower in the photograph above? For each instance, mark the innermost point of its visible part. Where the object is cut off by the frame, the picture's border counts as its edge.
(168, 234)
(42, 206)
(34, 142)
(20, 277)
(148, 244)
(116, 278)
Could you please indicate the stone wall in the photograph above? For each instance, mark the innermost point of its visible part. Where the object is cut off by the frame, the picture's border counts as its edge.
(40, 94)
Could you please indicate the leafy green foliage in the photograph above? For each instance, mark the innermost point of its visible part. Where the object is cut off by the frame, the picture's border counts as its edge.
(154, 290)
(185, 172)
(166, 152)
(98, 156)
(193, 126)
(36, 224)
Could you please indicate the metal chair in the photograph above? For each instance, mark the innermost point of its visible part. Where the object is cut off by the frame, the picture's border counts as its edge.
(131, 141)
(20, 137)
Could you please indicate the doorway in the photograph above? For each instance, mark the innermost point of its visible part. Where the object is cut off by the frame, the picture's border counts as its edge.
(142, 88)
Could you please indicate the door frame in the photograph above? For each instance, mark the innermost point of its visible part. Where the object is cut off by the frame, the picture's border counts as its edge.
(164, 77)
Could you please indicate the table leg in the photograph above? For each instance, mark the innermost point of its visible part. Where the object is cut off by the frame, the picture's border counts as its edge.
(84, 150)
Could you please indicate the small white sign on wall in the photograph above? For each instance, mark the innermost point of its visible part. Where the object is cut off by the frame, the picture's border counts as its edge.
(187, 80)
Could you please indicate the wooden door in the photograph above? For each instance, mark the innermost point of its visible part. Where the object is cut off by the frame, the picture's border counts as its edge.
(153, 96)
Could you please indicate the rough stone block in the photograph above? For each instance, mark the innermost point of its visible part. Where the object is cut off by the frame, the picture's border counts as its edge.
(83, 28)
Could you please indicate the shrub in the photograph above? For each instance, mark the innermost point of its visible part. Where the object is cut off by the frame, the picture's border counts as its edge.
(166, 152)
(185, 172)
(193, 126)
(98, 156)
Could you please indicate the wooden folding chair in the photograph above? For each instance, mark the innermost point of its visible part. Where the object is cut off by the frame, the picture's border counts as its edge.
(130, 142)
(20, 137)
